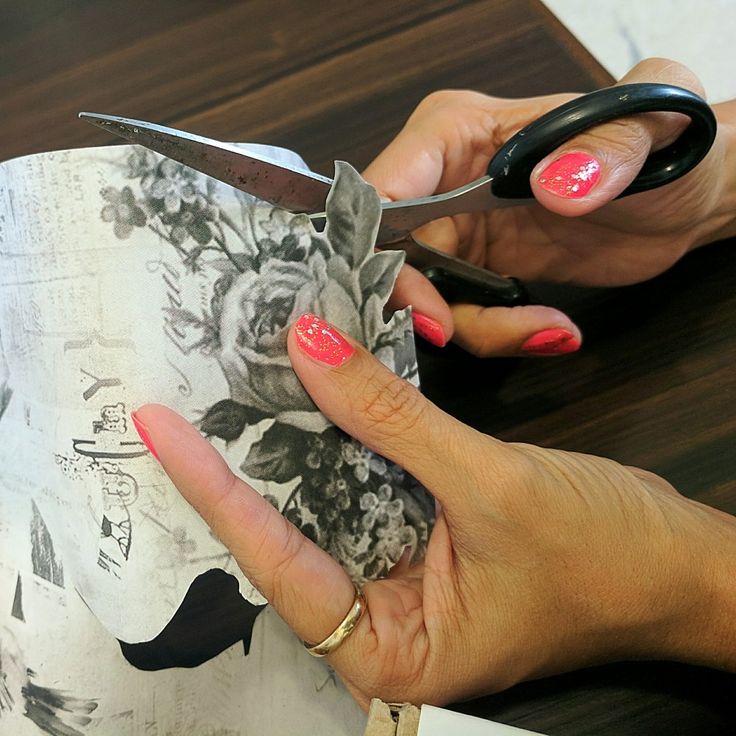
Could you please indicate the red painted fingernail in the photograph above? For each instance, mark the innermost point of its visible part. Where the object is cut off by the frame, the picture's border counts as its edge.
(571, 176)
(428, 328)
(551, 342)
(143, 434)
(321, 341)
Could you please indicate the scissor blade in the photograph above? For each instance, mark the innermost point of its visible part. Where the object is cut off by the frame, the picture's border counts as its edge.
(298, 191)
(400, 218)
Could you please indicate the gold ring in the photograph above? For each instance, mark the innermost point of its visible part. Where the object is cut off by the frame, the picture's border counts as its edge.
(343, 630)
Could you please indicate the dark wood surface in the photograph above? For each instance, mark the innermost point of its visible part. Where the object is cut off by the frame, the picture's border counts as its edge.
(653, 386)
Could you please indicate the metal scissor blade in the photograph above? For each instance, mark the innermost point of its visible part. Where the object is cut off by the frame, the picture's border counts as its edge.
(399, 218)
(292, 189)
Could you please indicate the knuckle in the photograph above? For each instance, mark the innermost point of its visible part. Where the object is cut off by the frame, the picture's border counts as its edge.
(626, 139)
(446, 104)
(476, 333)
(657, 69)
(652, 481)
(439, 99)
(482, 347)
(392, 406)
(283, 558)
(517, 474)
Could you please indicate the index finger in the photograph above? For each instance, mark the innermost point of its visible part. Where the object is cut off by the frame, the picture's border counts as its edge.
(449, 140)
(308, 588)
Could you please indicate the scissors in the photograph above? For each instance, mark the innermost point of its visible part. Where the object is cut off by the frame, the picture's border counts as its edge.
(505, 183)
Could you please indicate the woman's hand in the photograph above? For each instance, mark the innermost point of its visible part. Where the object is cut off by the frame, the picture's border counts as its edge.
(449, 140)
(539, 562)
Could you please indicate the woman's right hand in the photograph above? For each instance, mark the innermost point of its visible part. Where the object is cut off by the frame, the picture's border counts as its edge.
(566, 236)
(540, 561)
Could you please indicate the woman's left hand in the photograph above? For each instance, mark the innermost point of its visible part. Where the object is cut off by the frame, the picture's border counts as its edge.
(540, 561)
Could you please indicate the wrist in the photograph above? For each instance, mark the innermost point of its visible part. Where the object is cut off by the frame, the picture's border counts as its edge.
(720, 223)
(701, 629)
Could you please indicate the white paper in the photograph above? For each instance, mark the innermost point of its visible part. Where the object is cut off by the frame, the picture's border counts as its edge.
(435, 721)
(124, 279)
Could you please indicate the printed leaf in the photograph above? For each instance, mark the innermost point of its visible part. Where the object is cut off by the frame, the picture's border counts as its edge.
(278, 456)
(200, 231)
(379, 272)
(225, 265)
(353, 215)
(227, 419)
(339, 308)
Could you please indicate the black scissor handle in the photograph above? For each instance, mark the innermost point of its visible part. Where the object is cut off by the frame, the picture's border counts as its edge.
(513, 163)
(491, 291)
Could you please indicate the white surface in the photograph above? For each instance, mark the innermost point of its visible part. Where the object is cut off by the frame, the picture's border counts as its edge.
(439, 722)
(619, 33)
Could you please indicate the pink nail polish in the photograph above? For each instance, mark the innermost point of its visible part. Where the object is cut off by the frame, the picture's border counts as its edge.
(571, 176)
(429, 329)
(143, 434)
(321, 341)
(551, 342)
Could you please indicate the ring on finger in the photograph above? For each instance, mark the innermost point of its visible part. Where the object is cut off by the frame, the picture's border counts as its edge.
(343, 630)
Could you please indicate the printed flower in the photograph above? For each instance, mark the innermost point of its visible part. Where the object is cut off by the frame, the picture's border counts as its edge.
(182, 539)
(352, 452)
(255, 313)
(337, 493)
(174, 185)
(341, 496)
(361, 472)
(285, 237)
(175, 550)
(393, 539)
(355, 553)
(123, 210)
(192, 221)
(380, 508)
(141, 164)
(377, 465)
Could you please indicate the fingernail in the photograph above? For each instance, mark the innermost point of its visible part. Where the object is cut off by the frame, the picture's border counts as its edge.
(429, 329)
(571, 176)
(143, 434)
(402, 564)
(551, 342)
(321, 341)
(406, 555)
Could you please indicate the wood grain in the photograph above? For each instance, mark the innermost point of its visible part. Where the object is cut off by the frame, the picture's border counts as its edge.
(654, 384)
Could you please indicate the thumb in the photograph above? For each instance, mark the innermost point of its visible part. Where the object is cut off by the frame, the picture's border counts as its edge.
(593, 168)
(384, 412)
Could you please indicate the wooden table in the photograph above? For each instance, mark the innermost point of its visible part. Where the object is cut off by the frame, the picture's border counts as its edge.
(654, 384)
